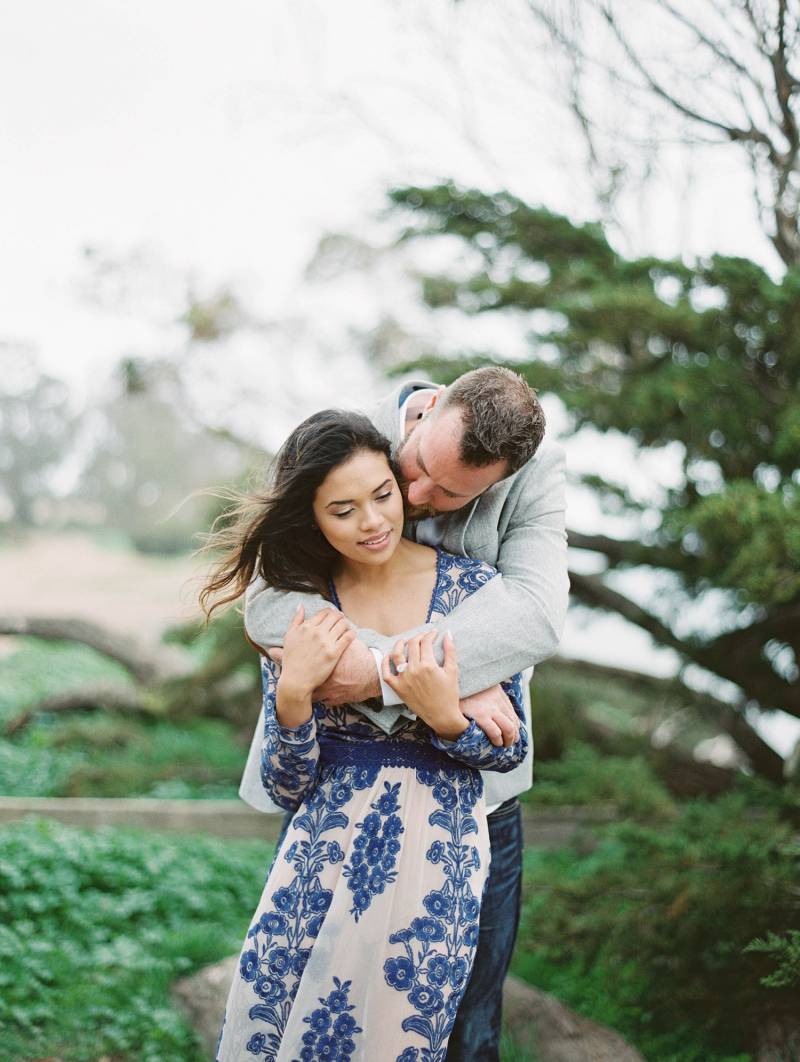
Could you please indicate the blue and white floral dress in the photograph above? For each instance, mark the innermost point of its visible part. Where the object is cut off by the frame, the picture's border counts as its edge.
(365, 933)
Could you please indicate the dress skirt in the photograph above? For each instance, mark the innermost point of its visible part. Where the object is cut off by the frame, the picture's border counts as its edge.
(365, 934)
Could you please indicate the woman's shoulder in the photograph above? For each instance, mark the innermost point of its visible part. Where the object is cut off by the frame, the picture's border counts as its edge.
(468, 573)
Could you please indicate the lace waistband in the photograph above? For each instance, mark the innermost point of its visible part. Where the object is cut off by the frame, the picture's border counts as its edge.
(389, 753)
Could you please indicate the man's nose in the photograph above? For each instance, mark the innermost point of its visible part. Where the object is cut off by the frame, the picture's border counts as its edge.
(419, 490)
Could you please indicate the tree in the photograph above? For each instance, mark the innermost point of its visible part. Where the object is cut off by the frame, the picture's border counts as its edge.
(697, 71)
(36, 432)
(705, 356)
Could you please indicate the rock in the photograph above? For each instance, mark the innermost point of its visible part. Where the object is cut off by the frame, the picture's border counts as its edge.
(202, 998)
(541, 1023)
(534, 1019)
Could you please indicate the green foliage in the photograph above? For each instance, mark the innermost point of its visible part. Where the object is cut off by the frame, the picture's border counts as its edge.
(585, 776)
(106, 754)
(650, 932)
(786, 952)
(701, 357)
(94, 927)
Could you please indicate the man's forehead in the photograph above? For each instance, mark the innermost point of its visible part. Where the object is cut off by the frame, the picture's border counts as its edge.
(439, 450)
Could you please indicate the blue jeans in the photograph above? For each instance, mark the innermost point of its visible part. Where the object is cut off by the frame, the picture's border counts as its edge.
(476, 1033)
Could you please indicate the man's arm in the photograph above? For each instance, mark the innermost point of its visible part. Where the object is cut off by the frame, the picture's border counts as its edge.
(267, 615)
(516, 619)
(511, 623)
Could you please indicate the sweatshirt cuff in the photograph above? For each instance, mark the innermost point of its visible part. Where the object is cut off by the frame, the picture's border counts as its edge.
(462, 742)
(387, 693)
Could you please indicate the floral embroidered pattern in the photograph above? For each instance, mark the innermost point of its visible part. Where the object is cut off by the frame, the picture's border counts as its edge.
(371, 866)
(332, 1027)
(440, 945)
(283, 936)
(289, 757)
(318, 770)
(474, 748)
(461, 577)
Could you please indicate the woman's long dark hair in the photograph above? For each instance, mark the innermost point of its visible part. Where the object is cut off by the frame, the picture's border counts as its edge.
(274, 532)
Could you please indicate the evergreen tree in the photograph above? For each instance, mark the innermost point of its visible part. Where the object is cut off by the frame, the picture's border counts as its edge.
(705, 355)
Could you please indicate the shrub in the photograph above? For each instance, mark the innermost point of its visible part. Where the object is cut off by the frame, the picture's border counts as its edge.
(650, 932)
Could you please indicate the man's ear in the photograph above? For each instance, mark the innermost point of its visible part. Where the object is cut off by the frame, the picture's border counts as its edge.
(434, 398)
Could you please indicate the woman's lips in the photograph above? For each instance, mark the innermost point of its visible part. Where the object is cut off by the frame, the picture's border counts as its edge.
(376, 543)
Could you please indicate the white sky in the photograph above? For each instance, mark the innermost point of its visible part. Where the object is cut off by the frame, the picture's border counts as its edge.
(219, 142)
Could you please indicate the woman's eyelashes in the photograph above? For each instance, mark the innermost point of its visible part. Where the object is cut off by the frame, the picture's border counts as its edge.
(381, 497)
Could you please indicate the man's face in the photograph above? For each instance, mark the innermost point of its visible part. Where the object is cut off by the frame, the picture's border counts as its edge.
(434, 479)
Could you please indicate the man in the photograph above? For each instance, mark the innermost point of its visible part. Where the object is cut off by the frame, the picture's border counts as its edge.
(479, 481)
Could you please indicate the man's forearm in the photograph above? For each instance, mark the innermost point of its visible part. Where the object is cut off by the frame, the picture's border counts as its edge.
(267, 615)
(488, 655)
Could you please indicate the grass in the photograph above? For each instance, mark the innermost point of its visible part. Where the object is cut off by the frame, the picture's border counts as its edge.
(97, 754)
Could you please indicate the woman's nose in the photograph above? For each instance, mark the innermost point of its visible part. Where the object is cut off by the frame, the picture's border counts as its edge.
(370, 517)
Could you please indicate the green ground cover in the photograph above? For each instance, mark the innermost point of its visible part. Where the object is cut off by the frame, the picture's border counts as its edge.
(96, 754)
(95, 926)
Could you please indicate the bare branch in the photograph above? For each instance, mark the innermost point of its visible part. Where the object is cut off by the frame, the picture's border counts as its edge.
(731, 131)
(716, 48)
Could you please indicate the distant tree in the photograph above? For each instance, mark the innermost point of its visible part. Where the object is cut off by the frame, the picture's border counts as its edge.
(149, 457)
(36, 433)
(704, 356)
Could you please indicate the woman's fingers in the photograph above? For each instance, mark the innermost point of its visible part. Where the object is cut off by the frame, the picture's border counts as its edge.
(325, 618)
(345, 632)
(449, 661)
(426, 654)
(386, 670)
(398, 656)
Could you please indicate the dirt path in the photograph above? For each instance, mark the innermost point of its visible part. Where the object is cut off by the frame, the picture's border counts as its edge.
(74, 575)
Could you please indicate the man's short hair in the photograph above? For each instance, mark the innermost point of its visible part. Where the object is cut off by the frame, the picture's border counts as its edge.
(502, 417)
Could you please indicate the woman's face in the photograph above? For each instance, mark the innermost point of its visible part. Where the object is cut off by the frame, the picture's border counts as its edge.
(359, 508)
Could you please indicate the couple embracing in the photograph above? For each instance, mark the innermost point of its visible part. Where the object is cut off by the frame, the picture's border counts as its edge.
(403, 574)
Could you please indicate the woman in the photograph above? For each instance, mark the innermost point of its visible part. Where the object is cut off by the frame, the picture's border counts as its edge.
(365, 933)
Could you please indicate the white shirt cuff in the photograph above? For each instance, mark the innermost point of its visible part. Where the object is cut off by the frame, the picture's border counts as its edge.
(388, 694)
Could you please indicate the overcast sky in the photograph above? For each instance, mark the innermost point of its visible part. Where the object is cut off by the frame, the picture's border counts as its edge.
(219, 142)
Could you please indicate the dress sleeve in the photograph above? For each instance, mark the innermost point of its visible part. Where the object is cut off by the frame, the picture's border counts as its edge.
(474, 748)
(290, 755)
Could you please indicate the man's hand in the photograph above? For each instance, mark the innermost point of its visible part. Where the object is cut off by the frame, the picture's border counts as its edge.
(494, 713)
(355, 677)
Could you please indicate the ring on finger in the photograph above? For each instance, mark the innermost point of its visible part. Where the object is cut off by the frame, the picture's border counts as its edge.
(401, 667)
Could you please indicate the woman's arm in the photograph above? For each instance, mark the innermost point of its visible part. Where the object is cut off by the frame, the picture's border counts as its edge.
(290, 754)
(475, 749)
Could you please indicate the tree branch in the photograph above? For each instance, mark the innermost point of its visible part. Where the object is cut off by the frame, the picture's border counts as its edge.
(100, 696)
(733, 132)
(147, 664)
(628, 551)
(765, 760)
(769, 689)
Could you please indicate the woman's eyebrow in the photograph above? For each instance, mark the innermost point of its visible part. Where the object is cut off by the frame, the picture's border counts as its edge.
(349, 501)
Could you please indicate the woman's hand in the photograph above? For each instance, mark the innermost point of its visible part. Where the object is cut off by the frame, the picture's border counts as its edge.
(311, 650)
(428, 688)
